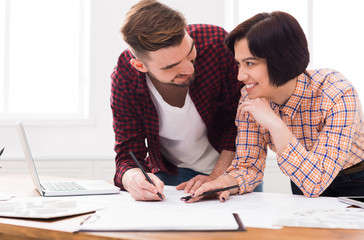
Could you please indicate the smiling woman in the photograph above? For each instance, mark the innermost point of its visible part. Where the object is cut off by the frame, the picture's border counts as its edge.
(312, 119)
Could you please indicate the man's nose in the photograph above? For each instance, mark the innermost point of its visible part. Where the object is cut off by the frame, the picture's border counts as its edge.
(187, 67)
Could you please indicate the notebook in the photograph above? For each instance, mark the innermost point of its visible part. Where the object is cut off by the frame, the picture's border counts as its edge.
(149, 219)
(50, 189)
(46, 208)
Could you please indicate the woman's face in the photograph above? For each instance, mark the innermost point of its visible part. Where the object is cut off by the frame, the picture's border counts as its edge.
(253, 72)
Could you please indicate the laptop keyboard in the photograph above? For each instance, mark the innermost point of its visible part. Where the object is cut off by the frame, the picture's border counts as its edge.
(64, 186)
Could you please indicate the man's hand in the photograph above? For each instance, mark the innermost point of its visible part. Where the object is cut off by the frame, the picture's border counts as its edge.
(194, 183)
(223, 162)
(138, 186)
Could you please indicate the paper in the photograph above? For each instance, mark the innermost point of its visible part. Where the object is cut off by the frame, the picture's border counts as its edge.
(160, 220)
(259, 210)
(349, 218)
(125, 214)
(45, 208)
(5, 196)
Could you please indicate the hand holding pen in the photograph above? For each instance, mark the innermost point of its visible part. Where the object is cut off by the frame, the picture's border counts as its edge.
(216, 186)
(146, 176)
(186, 198)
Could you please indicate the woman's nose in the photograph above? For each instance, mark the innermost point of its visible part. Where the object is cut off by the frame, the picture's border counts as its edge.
(242, 75)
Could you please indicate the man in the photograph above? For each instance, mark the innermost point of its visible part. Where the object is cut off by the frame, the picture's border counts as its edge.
(174, 100)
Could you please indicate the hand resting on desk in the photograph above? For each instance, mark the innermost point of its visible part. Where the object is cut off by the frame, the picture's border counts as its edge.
(139, 188)
(194, 183)
(220, 182)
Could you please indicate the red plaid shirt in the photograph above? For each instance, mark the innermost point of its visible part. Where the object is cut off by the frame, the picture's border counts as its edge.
(215, 93)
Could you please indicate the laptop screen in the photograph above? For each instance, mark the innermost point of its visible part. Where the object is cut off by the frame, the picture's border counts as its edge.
(28, 157)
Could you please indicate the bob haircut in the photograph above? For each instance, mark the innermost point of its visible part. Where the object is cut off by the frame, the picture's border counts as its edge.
(278, 38)
(150, 25)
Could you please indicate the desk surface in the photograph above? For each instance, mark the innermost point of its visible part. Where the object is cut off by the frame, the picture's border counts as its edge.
(16, 229)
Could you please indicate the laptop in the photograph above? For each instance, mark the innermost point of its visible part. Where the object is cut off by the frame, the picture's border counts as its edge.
(71, 188)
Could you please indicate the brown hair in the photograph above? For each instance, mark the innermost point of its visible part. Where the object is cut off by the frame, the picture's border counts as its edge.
(151, 25)
(278, 38)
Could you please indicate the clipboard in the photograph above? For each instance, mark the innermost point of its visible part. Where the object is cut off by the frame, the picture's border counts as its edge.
(162, 221)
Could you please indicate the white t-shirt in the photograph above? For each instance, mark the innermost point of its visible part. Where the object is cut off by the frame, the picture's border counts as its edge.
(183, 134)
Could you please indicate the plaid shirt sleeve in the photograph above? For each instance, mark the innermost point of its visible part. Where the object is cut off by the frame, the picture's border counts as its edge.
(251, 151)
(127, 123)
(313, 170)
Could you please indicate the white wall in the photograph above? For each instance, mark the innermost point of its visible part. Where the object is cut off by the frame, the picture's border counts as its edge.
(93, 139)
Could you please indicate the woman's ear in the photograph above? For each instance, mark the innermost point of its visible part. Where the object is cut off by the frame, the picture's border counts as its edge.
(138, 65)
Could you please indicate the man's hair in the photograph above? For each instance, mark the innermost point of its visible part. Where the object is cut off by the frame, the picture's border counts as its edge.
(278, 38)
(150, 25)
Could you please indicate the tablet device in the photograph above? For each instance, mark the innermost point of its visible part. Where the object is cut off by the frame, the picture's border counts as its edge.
(355, 201)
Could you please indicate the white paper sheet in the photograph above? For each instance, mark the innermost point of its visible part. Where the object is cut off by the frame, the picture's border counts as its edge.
(254, 209)
(160, 219)
(5, 196)
(350, 218)
(259, 210)
(45, 208)
(124, 213)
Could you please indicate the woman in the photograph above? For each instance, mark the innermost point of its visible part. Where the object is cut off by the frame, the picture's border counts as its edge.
(312, 119)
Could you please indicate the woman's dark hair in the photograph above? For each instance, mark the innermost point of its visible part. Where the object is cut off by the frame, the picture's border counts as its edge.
(278, 38)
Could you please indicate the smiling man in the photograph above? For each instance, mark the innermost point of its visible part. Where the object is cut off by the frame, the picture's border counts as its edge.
(174, 100)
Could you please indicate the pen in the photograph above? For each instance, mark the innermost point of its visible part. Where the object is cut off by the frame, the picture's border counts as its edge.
(141, 168)
(186, 198)
(1, 152)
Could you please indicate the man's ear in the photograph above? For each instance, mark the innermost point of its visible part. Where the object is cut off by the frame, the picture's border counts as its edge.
(138, 65)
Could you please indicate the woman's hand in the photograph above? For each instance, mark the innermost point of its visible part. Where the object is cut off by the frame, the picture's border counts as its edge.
(261, 111)
(220, 182)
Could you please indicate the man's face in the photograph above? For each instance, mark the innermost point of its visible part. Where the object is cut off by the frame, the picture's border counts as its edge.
(173, 65)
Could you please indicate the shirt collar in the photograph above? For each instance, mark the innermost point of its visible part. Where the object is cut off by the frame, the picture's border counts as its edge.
(293, 103)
